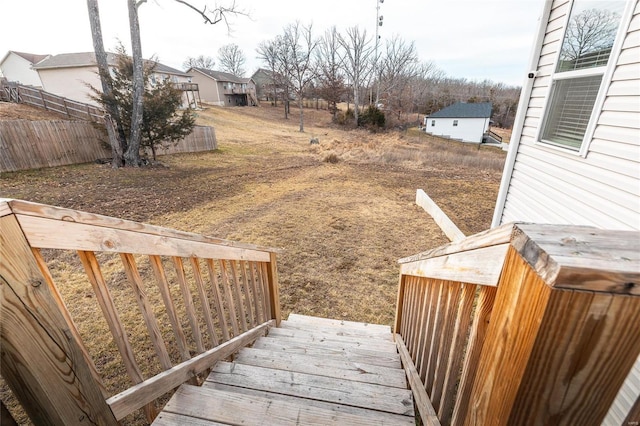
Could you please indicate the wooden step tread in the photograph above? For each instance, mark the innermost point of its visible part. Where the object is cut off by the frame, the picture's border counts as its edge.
(325, 323)
(327, 349)
(379, 417)
(286, 329)
(365, 395)
(192, 405)
(323, 366)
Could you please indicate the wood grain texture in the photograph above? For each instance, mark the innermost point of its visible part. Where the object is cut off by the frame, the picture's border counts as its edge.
(347, 352)
(247, 293)
(440, 218)
(274, 288)
(140, 294)
(376, 417)
(61, 234)
(477, 333)
(425, 408)
(492, 237)
(217, 299)
(231, 305)
(519, 308)
(188, 303)
(137, 396)
(68, 215)
(41, 361)
(365, 395)
(285, 331)
(204, 300)
(480, 266)
(323, 365)
(170, 309)
(235, 408)
(240, 300)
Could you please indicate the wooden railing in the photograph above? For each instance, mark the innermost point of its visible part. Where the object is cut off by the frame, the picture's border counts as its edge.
(216, 297)
(522, 324)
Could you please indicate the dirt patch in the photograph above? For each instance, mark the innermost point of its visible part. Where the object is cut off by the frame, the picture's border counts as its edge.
(10, 111)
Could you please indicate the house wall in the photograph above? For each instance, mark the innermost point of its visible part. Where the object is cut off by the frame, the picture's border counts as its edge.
(71, 82)
(601, 188)
(210, 90)
(16, 68)
(467, 130)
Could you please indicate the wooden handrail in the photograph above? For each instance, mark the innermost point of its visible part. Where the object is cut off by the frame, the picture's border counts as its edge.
(219, 283)
(480, 320)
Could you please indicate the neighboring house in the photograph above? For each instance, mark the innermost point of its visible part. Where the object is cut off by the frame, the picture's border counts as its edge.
(71, 74)
(17, 67)
(467, 122)
(574, 156)
(223, 89)
(268, 85)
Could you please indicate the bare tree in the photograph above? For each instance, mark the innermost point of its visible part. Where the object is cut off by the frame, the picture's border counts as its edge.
(232, 59)
(398, 69)
(589, 38)
(330, 74)
(268, 52)
(132, 154)
(358, 63)
(117, 139)
(297, 51)
(201, 61)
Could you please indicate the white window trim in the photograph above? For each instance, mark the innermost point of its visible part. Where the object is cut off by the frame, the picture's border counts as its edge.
(607, 75)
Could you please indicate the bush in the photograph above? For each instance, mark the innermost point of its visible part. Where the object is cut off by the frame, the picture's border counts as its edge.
(331, 158)
(372, 117)
(346, 117)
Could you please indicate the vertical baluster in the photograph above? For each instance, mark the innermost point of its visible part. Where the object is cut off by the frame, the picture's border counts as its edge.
(188, 303)
(256, 295)
(238, 295)
(206, 308)
(229, 297)
(247, 293)
(163, 286)
(131, 269)
(222, 318)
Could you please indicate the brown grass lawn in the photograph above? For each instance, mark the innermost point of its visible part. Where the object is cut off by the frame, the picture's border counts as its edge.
(343, 210)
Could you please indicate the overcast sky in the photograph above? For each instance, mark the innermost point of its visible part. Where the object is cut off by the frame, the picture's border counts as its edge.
(474, 39)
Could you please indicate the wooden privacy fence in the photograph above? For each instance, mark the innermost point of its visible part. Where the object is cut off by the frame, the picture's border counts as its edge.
(34, 144)
(199, 299)
(39, 98)
(522, 324)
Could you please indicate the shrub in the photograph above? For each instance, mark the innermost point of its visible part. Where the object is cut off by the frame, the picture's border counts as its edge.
(331, 158)
(372, 117)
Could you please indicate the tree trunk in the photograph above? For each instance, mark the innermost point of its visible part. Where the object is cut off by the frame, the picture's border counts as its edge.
(117, 140)
(356, 103)
(132, 155)
(301, 113)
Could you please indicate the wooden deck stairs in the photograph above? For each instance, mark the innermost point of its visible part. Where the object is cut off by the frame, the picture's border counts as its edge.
(308, 371)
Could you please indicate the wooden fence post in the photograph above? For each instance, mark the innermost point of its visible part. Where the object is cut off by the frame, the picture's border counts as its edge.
(42, 362)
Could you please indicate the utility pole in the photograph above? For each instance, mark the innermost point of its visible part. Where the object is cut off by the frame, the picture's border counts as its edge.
(379, 20)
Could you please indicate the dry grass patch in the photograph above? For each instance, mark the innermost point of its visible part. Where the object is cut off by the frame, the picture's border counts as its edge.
(342, 225)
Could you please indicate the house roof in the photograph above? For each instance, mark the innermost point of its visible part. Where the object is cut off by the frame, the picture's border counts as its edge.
(220, 76)
(34, 58)
(88, 59)
(464, 110)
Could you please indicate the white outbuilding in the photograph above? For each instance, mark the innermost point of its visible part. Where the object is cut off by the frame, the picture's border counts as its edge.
(463, 121)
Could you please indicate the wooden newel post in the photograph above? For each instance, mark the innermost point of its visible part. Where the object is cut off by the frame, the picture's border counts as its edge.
(41, 359)
(274, 292)
(563, 333)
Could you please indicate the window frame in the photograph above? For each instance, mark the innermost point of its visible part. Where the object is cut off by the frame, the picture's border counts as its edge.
(455, 123)
(605, 71)
(433, 123)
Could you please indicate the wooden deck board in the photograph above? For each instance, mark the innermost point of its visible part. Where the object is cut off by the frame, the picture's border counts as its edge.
(364, 329)
(387, 418)
(365, 395)
(310, 371)
(287, 331)
(353, 354)
(236, 408)
(328, 367)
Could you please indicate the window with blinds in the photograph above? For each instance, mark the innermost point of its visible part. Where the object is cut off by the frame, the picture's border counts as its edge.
(586, 48)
